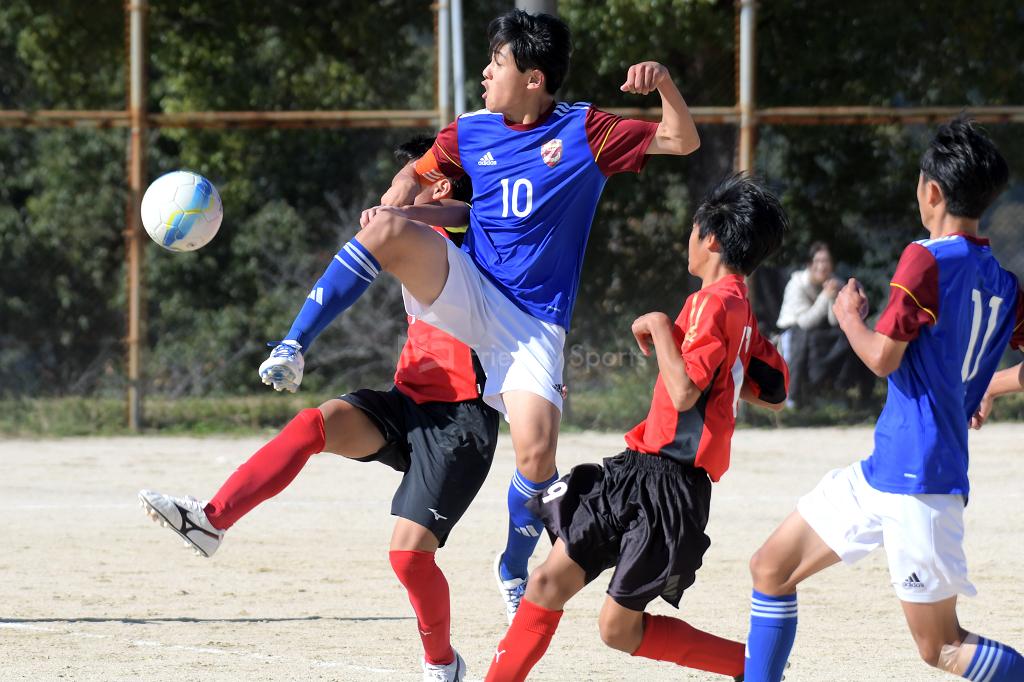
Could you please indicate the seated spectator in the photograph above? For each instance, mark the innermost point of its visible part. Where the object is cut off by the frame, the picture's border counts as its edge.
(814, 347)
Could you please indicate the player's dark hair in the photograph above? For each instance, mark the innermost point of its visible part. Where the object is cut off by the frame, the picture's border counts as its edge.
(536, 41)
(415, 147)
(815, 248)
(747, 220)
(968, 168)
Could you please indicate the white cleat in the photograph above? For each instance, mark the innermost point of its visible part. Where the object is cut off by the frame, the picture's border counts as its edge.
(453, 672)
(512, 591)
(185, 516)
(283, 369)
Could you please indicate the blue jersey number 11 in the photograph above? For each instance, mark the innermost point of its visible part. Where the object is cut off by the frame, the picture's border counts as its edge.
(973, 358)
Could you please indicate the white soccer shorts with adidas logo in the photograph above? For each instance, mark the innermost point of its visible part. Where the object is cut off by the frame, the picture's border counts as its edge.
(923, 535)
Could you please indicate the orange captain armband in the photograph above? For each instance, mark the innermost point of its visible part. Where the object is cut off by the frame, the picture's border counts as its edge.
(427, 168)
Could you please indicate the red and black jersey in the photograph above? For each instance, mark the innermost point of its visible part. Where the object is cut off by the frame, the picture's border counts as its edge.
(721, 347)
(435, 366)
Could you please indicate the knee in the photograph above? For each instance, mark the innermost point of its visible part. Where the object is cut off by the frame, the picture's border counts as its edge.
(618, 635)
(535, 458)
(410, 565)
(542, 585)
(545, 589)
(932, 651)
(383, 234)
(950, 656)
(770, 577)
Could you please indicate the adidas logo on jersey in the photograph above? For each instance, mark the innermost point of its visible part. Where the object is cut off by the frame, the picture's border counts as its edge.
(528, 531)
(487, 160)
(913, 582)
(317, 295)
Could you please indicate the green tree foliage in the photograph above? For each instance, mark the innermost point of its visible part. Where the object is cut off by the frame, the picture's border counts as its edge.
(292, 196)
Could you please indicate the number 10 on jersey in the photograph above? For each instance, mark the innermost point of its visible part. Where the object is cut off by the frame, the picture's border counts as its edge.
(522, 192)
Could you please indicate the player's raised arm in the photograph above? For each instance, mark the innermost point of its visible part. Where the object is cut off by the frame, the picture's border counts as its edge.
(656, 329)
(880, 352)
(440, 161)
(677, 133)
(445, 213)
(404, 187)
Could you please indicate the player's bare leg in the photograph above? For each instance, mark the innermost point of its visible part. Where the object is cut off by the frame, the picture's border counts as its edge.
(348, 431)
(793, 553)
(557, 580)
(940, 639)
(943, 643)
(533, 423)
(621, 628)
(410, 251)
(663, 638)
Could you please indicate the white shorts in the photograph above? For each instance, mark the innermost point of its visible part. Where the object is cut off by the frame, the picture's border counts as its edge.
(923, 535)
(517, 351)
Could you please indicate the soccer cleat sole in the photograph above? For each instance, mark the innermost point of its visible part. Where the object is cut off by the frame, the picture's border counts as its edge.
(158, 518)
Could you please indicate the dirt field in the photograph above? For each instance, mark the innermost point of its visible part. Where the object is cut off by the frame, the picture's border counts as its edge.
(301, 588)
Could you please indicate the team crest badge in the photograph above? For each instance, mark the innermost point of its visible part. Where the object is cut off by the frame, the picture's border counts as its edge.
(551, 152)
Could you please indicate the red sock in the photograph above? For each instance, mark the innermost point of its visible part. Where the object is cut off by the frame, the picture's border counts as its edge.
(672, 640)
(428, 594)
(525, 642)
(269, 471)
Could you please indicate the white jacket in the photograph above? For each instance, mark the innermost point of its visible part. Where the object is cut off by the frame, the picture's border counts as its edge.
(804, 304)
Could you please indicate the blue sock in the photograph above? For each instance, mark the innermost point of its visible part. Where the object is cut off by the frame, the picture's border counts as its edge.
(353, 270)
(995, 662)
(524, 529)
(772, 632)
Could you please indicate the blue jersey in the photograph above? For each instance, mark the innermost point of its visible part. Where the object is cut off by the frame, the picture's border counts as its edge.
(536, 189)
(957, 308)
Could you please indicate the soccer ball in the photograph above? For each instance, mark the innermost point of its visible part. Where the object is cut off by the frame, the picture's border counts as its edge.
(181, 211)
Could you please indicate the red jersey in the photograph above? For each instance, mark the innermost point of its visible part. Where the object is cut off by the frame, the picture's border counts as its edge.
(721, 347)
(435, 366)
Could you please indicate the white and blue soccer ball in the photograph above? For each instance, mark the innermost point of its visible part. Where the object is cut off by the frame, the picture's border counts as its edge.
(181, 211)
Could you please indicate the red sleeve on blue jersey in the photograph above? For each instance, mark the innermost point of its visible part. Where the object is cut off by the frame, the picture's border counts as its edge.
(913, 295)
(619, 144)
(704, 343)
(443, 157)
(767, 373)
(1017, 339)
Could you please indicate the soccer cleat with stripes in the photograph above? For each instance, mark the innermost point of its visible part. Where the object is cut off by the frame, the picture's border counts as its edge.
(511, 591)
(283, 369)
(185, 516)
(453, 672)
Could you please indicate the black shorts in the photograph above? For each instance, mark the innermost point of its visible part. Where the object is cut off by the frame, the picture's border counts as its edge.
(444, 451)
(641, 513)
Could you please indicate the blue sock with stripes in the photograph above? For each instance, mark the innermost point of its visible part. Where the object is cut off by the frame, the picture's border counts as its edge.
(350, 273)
(994, 662)
(772, 632)
(524, 529)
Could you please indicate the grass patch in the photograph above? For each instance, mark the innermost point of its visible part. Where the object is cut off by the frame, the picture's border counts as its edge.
(75, 416)
(616, 405)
